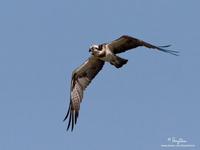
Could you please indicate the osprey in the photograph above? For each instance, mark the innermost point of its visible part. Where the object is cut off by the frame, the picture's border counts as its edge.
(83, 75)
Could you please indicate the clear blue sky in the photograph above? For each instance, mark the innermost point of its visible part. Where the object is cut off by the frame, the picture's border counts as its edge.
(153, 97)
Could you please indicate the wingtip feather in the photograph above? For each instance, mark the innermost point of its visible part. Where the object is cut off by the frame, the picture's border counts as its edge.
(163, 46)
(76, 116)
(67, 113)
(70, 116)
(169, 51)
(73, 113)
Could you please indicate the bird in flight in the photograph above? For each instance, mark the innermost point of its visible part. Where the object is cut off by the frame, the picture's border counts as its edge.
(106, 52)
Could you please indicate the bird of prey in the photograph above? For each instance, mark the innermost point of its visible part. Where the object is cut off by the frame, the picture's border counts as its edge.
(106, 52)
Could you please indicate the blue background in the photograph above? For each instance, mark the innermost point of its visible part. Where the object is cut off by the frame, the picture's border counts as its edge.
(153, 97)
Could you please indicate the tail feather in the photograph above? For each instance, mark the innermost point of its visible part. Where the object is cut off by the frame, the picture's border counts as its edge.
(117, 61)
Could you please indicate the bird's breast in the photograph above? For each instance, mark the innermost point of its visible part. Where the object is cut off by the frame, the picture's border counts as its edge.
(107, 54)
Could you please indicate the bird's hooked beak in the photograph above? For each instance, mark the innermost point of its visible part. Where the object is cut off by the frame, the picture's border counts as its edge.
(91, 49)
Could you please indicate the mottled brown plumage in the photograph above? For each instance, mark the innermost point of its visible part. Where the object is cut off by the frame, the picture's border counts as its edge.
(81, 78)
(125, 43)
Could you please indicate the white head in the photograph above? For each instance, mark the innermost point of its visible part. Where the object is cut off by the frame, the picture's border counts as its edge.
(93, 47)
(96, 49)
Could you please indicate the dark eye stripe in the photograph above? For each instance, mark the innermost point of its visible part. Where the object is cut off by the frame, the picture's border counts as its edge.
(100, 47)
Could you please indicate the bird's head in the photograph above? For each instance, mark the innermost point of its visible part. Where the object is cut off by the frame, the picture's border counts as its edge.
(96, 49)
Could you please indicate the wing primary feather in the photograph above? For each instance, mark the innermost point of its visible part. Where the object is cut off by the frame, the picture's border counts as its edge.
(70, 116)
(67, 113)
(73, 115)
(165, 46)
(76, 116)
(161, 48)
(169, 51)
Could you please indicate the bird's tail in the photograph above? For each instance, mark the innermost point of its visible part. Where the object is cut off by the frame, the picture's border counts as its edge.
(117, 61)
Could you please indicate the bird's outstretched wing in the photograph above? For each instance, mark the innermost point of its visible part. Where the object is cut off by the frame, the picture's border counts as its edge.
(81, 78)
(125, 43)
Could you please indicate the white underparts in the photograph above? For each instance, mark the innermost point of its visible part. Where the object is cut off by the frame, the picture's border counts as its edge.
(108, 53)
